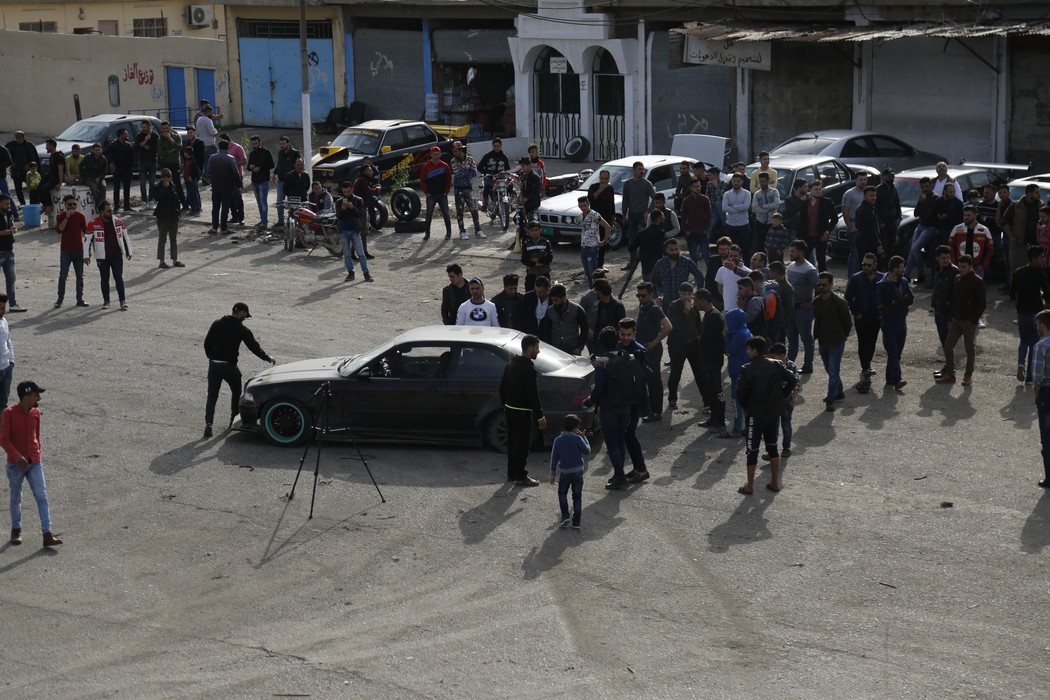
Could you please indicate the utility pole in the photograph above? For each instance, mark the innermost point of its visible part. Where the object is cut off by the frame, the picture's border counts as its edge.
(308, 148)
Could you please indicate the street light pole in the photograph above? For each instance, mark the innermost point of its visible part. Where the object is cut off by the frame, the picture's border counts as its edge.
(308, 148)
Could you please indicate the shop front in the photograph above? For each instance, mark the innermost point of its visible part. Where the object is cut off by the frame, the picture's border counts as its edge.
(473, 81)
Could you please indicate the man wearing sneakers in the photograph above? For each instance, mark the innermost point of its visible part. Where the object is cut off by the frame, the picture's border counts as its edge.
(353, 221)
(464, 170)
(109, 245)
(968, 301)
(20, 438)
(521, 405)
(436, 180)
(222, 346)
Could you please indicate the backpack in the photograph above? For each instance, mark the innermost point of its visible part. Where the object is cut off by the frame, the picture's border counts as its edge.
(774, 307)
(625, 379)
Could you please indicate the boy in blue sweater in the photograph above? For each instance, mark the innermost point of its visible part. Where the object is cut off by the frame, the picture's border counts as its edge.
(567, 456)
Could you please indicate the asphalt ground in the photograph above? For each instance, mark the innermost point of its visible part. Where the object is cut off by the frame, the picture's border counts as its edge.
(906, 555)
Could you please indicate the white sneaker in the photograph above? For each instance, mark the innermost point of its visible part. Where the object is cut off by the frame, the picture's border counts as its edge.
(981, 323)
(479, 234)
(462, 235)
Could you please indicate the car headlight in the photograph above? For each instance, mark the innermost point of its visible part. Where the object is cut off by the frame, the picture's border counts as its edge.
(576, 220)
(247, 396)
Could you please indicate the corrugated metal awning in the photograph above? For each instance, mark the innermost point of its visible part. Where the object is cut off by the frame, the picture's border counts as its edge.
(754, 31)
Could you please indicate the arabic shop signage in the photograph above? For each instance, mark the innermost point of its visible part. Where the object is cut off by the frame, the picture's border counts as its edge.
(749, 55)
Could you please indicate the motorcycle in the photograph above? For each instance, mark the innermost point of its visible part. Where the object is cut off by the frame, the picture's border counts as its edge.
(505, 188)
(310, 229)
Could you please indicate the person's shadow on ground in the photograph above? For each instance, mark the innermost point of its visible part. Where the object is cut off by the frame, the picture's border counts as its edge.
(482, 520)
(1035, 535)
(746, 525)
(597, 520)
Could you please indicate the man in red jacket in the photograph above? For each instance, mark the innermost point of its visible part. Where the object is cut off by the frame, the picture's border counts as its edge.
(436, 180)
(20, 438)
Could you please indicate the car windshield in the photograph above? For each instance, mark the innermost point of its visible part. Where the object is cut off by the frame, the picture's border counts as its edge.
(617, 175)
(359, 141)
(84, 131)
(352, 365)
(908, 190)
(803, 147)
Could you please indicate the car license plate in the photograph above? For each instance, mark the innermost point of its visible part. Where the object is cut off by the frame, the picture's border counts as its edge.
(547, 231)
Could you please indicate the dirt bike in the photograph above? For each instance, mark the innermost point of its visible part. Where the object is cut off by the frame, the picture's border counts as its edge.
(310, 229)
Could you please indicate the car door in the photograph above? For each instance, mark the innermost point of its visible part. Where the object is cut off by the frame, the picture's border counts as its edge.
(419, 141)
(858, 150)
(402, 395)
(391, 151)
(836, 179)
(473, 381)
(891, 153)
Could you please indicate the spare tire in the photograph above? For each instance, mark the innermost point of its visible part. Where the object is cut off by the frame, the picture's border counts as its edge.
(405, 204)
(576, 149)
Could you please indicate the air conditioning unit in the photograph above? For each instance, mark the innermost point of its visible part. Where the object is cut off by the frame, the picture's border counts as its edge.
(200, 15)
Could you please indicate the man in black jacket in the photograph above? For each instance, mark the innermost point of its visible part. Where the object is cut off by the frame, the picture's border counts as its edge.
(536, 255)
(507, 301)
(867, 228)
(121, 157)
(816, 222)
(533, 307)
(454, 294)
(712, 355)
(888, 206)
(286, 160)
(521, 405)
(22, 152)
(222, 346)
(763, 388)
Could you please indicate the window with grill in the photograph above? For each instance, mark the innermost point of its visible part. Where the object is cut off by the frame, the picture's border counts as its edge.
(44, 27)
(150, 27)
(281, 29)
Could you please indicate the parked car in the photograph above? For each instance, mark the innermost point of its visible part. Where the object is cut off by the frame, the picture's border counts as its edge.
(391, 143)
(836, 176)
(907, 182)
(559, 216)
(436, 384)
(101, 128)
(1017, 186)
(861, 147)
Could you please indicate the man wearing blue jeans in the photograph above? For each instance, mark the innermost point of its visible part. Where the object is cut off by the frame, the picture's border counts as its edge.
(146, 144)
(925, 231)
(20, 438)
(594, 235)
(638, 196)
(260, 163)
(286, 158)
(894, 299)
(803, 278)
(7, 253)
(832, 324)
(1030, 294)
(351, 212)
(736, 204)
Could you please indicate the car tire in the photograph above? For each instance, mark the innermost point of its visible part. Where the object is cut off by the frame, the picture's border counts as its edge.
(405, 204)
(286, 423)
(576, 149)
(496, 431)
(415, 226)
(616, 234)
(378, 215)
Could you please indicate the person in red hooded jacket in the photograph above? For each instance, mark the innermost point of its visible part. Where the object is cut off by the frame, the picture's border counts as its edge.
(436, 180)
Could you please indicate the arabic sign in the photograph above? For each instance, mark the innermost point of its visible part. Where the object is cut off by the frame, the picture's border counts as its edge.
(559, 64)
(750, 55)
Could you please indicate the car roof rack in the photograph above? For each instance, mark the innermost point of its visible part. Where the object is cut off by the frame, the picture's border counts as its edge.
(994, 166)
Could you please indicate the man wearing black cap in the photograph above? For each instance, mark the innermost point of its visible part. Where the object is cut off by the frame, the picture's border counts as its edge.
(222, 345)
(20, 438)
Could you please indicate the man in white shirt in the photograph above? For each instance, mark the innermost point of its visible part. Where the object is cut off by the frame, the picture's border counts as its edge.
(7, 354)
(207, 133)
(728, 275)
(944, 178)
(736, 203)
(477, 310)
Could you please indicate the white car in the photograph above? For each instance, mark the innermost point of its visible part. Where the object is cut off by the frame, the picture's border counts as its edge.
(559, 216)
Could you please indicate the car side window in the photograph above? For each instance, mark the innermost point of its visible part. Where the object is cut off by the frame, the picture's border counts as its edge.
(418, 135)
(662, 178)
(856, 148)
(478, 362)
(413, 362)
(885, 147)
(395, 139)
(975, 181)
(831, 173)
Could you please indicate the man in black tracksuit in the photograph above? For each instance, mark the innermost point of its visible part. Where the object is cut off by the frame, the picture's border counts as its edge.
(222, 346)
(521, 405)
(712, 356)
(763, 388)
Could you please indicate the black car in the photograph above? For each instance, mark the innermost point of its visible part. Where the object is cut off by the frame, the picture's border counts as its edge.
(436, 384)
(391, 143)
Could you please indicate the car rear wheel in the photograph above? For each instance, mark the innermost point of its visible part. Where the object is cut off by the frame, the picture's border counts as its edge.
(616, 234)
(287, 423)
(496, 431)
(405, 204)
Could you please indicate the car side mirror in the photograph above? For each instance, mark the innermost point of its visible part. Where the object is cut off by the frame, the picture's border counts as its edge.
(385, 149)
(365, 373)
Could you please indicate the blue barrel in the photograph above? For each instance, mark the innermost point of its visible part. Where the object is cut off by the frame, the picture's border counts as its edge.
(31, 215)
(433, 106)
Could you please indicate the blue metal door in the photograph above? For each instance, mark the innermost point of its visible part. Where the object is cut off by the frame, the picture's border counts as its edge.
(271, 89)
(177, 107)
(205, 86)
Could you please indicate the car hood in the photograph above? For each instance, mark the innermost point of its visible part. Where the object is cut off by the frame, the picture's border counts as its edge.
(567, 203)
(66, 147)
(335, 155)
(319, 370)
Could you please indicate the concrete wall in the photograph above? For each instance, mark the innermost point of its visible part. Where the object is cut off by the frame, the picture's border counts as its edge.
(98, 16)
(63, 64)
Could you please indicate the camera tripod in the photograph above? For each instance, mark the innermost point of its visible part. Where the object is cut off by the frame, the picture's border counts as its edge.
(320, 431)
